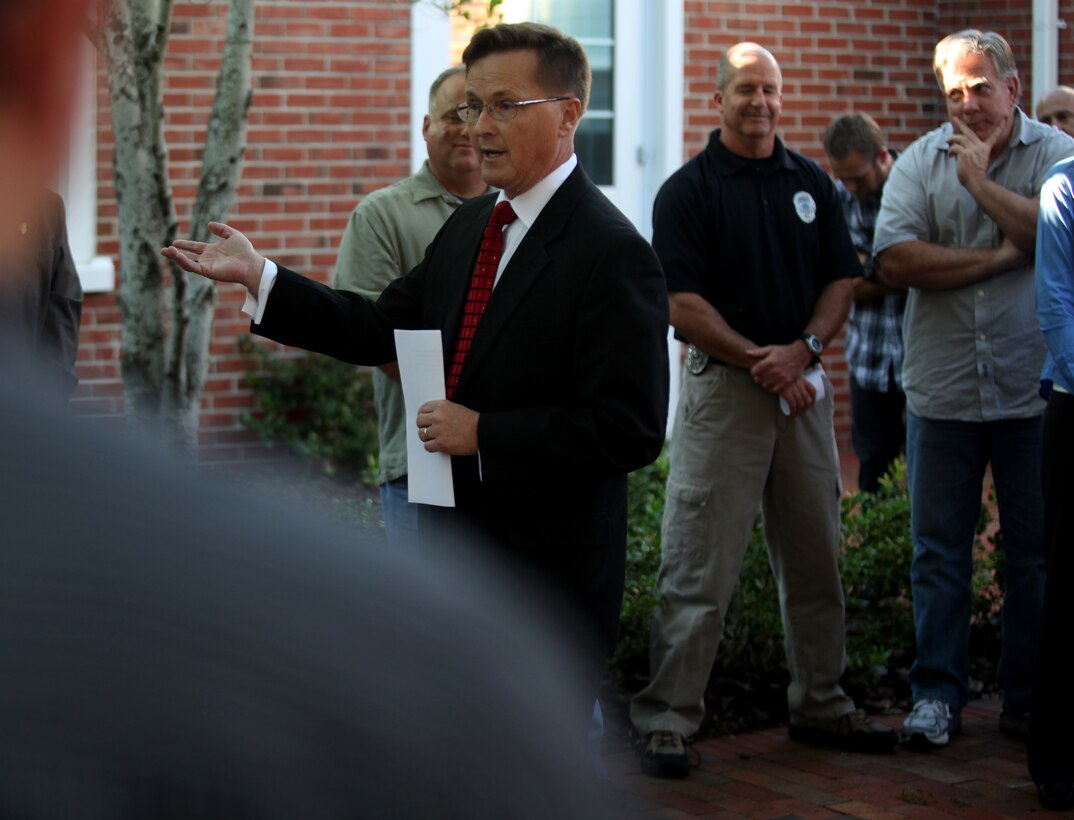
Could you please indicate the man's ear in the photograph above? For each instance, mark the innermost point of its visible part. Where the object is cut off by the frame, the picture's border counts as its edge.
(426, 123)
(572, 113)
(1014, 85)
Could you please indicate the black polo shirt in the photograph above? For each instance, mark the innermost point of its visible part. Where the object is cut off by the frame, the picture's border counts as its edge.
(759, 239)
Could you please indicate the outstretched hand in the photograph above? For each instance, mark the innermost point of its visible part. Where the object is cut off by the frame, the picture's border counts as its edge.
(232, 259)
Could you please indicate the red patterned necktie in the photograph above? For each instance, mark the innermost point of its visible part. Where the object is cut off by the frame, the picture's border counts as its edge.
(488, 260)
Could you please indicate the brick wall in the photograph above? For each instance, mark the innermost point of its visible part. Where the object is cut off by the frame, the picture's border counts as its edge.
(1013, 20)
(330, 114)
(329, 123)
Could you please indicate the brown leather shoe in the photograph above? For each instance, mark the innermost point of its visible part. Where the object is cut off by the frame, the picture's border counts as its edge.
(854, 732)
(665, 755)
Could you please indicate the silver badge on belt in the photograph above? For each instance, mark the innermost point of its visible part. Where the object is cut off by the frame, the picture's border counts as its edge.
(696, 360)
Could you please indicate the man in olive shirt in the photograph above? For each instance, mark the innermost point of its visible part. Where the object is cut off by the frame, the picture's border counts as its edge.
(385, 238)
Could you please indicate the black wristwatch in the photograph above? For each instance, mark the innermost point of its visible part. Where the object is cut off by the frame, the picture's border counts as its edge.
(815, 345)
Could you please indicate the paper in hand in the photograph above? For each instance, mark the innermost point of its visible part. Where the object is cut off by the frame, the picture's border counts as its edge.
(816, 378)
(421, 371)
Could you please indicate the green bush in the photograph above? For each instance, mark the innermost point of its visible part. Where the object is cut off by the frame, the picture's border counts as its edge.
(645, 495)
(319, 407)
(874, 559)
(874, 562)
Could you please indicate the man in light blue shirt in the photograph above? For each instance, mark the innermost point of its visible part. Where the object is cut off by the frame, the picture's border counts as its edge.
(1051, 759)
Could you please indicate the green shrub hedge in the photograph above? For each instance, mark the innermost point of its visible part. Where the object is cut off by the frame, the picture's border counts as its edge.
(319, 407)
(874, 558)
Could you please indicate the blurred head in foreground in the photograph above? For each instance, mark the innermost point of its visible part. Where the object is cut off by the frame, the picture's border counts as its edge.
(40, 44)
(171, 647)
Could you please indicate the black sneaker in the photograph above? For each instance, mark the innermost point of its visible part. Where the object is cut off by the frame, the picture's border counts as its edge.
(854, 732)
(1057, 795)
(1014, 724)
(665, 755)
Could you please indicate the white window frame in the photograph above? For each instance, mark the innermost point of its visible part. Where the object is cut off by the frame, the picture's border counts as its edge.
(430, 54)
(78, 186)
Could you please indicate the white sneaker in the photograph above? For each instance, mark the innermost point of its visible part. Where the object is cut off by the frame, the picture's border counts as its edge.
(930, 724)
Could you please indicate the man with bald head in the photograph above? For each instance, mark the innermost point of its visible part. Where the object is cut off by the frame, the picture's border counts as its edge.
(1057, 108)
(758, 263)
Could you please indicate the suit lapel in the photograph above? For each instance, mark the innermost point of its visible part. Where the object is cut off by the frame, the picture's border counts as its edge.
(529, 260)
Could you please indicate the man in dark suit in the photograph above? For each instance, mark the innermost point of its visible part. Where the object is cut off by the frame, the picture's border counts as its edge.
(564, 387)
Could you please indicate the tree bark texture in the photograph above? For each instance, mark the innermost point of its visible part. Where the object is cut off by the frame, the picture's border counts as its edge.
(165, 356)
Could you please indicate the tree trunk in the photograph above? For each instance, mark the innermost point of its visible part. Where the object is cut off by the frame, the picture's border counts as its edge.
(134, 34)
(225, 144)
(163, 376)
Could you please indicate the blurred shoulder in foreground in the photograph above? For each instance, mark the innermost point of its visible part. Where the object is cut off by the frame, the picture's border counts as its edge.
(172, 647)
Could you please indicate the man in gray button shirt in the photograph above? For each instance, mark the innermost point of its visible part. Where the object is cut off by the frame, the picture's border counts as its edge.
(958, 227)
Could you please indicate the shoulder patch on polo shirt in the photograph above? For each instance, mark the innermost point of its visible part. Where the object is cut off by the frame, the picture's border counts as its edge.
(805, 207)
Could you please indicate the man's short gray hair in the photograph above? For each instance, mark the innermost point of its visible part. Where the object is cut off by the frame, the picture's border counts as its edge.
(973, 41)
(445, 75)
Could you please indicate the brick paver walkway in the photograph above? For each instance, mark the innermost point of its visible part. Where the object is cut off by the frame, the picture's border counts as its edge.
(981, 774)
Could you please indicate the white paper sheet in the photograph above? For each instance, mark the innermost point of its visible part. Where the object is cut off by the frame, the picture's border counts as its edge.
(421, 369)
(816, 378)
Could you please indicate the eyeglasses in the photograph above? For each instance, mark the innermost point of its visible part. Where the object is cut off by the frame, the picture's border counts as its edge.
(501, 111)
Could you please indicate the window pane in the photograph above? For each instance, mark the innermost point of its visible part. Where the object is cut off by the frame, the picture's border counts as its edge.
(594, 146)
(581, 19)
(591, 23)
(600, 92)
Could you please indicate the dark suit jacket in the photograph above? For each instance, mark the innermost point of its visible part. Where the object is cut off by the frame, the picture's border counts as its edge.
(568, 369)
(41, 295)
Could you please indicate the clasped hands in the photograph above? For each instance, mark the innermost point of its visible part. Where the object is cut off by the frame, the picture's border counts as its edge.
(780, 369)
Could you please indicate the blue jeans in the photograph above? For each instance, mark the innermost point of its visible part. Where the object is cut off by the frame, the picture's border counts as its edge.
(596, 737)
(946, 463)
(400, 516)
(877, 430)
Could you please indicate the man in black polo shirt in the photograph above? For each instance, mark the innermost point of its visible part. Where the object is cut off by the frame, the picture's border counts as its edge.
(758, 263)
